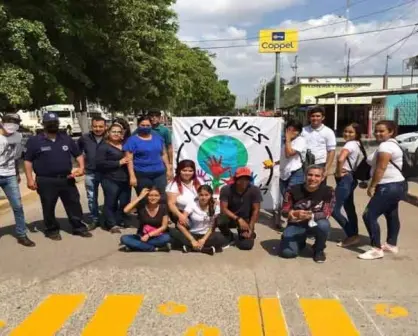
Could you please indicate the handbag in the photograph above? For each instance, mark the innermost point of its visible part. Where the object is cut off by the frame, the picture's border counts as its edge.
(362, 171)
(147, 229)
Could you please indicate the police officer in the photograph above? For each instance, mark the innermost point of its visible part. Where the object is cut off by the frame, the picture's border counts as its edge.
(49, 155)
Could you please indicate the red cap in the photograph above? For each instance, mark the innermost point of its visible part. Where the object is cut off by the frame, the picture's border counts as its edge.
(243, 171)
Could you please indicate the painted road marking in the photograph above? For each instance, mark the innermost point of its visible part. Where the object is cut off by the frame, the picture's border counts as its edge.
(2, 324)
(171, 308)
(202, 330)
(249, 316)
(114, 316)
(50, 315)
(273, 318)
(390, 311)
(327, 317)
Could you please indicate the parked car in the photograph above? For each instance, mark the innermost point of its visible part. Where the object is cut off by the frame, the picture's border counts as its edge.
(409, 142)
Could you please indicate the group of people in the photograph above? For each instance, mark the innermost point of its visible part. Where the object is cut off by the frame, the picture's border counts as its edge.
(116, 160)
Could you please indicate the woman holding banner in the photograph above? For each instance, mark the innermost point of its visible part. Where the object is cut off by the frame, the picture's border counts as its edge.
(182, 191)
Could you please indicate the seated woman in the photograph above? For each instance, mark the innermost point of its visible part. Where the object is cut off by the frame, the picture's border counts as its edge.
(199, 234)
(182, 190)
(153, 224)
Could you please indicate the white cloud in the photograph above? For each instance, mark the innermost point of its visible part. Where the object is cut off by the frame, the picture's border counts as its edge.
(244, 67)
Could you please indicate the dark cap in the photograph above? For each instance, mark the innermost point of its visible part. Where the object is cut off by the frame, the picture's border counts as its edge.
(11, 117)
(154, 112)
(50, 116)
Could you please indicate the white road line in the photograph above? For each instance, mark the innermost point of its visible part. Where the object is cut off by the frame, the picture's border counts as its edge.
(369, 317)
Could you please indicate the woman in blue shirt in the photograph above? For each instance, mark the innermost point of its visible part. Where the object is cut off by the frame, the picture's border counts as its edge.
(148, 161)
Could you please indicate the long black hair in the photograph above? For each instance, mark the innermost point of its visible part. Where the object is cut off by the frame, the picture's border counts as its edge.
(207, 188)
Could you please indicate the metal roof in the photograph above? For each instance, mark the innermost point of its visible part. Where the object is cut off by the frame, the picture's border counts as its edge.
(368, 93)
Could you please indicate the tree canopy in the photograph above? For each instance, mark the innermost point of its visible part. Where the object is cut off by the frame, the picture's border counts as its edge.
(123, 54)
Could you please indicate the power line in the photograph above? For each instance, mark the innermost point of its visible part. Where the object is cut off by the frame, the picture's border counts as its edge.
(385, 48)
(306, 29)
(312, 39)
(403, 43)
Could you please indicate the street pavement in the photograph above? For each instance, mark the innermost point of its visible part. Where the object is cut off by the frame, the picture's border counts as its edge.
(87, 287)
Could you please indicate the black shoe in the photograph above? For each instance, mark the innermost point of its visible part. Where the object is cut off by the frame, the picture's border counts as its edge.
(115, 229)
(84, 234)
(93, 226)
(25, 241)
(166, 248)
(230, 241)
(186, 249)
(208, 250)
(319, 257)
(54, 236)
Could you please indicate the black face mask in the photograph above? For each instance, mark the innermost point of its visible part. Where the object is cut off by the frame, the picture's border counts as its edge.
(52, 128)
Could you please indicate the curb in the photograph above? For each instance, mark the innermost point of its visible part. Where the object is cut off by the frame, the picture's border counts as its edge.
(5, 205)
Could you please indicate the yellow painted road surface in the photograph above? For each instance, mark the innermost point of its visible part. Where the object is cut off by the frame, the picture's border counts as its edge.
(257, 316)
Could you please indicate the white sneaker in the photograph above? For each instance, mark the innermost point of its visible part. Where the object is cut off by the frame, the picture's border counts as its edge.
(372, 254)
(390, 248)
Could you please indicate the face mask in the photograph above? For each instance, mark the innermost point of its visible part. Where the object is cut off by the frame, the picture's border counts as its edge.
(10, 128)
(52, 128)
(144, 130)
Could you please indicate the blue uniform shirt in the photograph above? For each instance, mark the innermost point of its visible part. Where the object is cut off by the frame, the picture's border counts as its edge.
(147, 153)
(51, 158)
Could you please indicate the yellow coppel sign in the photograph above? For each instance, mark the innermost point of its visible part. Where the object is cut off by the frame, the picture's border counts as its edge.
(276, 40)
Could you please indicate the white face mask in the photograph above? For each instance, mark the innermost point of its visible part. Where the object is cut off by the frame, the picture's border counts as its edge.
(10, 128)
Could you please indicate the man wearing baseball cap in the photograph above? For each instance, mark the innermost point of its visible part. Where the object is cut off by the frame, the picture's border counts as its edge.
(10, 152)
(50, 155)
(240, 208)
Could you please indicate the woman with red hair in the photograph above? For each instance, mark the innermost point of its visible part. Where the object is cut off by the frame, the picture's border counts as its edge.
(182, 190)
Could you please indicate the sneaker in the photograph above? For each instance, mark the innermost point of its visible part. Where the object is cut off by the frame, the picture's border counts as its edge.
(208, 250)
(390, 248)
(350, 241)
(231, 242)
(25, 241)
(373, 253)
(54, 236)
(319, 257)
(166, 248)
(84, 234)
(186, 249)
(94, 224)
(115, 229)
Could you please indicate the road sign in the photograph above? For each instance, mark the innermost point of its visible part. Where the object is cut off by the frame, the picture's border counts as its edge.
(273, 41)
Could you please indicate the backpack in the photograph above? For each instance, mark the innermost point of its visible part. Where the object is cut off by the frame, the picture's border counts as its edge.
(408, 170)
(309, 159)
(362, 171)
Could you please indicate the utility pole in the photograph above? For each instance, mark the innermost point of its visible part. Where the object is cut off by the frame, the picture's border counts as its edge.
(259, 99)
(347, 77)
(248, 107)
(347, 18)
(386, 77)
(265, 94)
(277, 83)
(295, 70)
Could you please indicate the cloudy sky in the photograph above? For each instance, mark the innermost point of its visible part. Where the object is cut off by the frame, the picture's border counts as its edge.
(234, 24)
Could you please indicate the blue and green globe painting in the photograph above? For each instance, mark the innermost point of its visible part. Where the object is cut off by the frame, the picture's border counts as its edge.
(221, 155)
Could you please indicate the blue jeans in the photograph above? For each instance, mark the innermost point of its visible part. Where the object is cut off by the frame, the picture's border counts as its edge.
(294, 238)
(297, 177)
(11, 189)
(148, 180)
(344, 197)
(92, 182)
(117, 196)
(385, 201)
(135, 243)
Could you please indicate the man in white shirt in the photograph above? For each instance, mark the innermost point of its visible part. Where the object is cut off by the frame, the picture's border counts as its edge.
(10, 153)
(320, 138)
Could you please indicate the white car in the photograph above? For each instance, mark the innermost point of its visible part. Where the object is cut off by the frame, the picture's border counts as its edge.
(409, 142)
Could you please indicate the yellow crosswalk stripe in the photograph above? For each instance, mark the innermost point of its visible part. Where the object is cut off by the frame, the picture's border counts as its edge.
(273, 318)
(249, 316)
(47, 319)
(114, 316)
(327, 317)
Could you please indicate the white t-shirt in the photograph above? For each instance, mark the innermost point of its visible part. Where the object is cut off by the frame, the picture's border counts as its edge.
(391, 174)
(200, 222)
(10, 150)
(320, 141)
(354, 152)
(188, 195)
(293, 163)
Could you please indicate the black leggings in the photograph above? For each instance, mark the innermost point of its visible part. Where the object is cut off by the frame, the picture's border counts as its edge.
(215, 239)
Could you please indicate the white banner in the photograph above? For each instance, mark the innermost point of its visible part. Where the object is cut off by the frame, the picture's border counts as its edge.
(219, 145)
